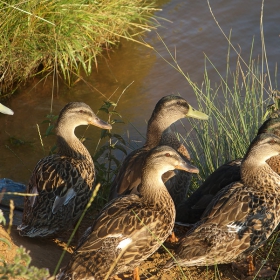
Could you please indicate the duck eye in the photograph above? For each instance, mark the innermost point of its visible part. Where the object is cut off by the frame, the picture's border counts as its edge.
(178, 103)
(167, 155)
(81, 111)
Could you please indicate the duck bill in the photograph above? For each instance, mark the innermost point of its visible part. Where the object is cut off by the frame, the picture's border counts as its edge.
(5, 110)
(186, 166)
(192, 113)
(100, 123)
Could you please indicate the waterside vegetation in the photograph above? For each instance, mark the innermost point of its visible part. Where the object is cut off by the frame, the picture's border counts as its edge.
(64, 37)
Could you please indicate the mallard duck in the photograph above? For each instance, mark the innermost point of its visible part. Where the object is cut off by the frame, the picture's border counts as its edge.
(5, 110)
(129, 228)
(177, 182)
(191, 209)
(241, 217)
(63, 181)
(168, 110)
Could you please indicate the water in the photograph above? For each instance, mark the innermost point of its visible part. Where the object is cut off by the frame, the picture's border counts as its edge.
(191, 33)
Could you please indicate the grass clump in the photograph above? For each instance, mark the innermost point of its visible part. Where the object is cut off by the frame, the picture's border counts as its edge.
(237, 108)
(63, 36)
(20, 268)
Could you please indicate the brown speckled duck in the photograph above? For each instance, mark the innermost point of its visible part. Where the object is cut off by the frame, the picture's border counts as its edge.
(129, 228)
(241, 217)
(168, 110)
(191, 210)
(63, 182)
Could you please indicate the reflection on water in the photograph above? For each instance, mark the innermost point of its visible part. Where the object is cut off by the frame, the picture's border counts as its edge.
(191, 33)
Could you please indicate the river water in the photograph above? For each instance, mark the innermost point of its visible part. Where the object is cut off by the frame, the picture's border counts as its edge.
(190, 32)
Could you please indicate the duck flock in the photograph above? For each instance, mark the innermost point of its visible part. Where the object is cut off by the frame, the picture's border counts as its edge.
(233, 212)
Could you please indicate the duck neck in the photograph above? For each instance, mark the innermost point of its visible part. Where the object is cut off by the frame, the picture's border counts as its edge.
(169, 138)
(156, 126)
(152, 187)
(69, 145)
(259, 175)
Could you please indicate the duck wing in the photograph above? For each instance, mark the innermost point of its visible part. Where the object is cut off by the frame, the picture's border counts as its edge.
(129, 174)
(123, 235)
(191, 210)
(59, 184)
(237, 222)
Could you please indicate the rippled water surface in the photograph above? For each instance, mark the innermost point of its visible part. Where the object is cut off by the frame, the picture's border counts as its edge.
(190, 32)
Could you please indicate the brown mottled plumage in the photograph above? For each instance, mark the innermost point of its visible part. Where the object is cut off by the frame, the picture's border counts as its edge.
(168, 110)
(63, 181)
(129, 228)
(241, 216)
(192, 209)
(177, 182)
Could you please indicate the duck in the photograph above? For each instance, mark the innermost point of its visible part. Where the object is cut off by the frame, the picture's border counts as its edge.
(61, 183)
(168, 110)
(177, 182)
(241, 216)
(5, 110)
(192, 208)
(131, 227)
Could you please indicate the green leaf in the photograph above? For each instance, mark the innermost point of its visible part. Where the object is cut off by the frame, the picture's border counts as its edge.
(115, 113)
(100, 152)
(46, 121)
(113, 158)
(52, 151)
(118, 137)
(104, 110)
(104, 133)
(121, 148)
(116, 121)
(49, 130)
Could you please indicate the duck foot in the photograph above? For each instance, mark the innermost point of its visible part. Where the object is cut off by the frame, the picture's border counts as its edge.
(136, 273)
(64, 237)
(172, 238)
(251, 266)
(249, 270)
(245, 267)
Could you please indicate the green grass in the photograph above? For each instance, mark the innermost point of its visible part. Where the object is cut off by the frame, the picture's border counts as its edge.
(235, 113)
(64, 37)
(237, 106)
(20, 268)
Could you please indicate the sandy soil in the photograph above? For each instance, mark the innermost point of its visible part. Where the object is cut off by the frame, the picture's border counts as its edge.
(45, 253)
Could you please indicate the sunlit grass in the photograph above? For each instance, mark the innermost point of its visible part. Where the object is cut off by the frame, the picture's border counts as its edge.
(235, 114)
(64, 37)
(236, 106)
